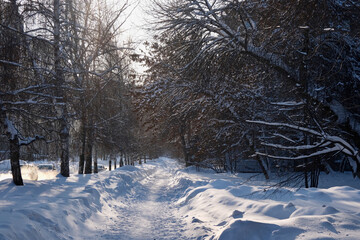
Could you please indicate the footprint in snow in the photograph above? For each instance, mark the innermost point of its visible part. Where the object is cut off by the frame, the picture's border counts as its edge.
(196, 220)
(237, 214)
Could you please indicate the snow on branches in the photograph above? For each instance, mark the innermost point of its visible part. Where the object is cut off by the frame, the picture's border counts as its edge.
(328, 144)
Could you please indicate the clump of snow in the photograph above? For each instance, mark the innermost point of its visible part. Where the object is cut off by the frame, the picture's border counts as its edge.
(162, 200)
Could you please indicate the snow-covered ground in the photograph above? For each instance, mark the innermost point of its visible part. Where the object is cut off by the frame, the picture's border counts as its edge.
(161, 200)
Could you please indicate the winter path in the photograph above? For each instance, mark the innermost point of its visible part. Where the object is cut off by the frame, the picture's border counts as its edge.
(130, 203)
(162, 200)
(150, 212)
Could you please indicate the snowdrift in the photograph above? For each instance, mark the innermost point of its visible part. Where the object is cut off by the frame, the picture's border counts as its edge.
(160, 200)
(64, 208)
(227, 208)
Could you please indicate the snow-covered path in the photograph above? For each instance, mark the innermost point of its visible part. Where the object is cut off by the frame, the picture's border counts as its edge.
(130, 203)
(150, 212)
(161, 200)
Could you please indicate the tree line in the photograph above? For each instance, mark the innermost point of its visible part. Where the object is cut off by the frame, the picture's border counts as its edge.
(272, 81)
(228, 82)
(65, 82)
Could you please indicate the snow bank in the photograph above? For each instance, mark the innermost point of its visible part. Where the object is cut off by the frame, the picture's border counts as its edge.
(63, 208)
(227, 208)
(160, 200)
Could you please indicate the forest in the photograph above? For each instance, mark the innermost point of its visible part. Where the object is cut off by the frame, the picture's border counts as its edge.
(265, 86)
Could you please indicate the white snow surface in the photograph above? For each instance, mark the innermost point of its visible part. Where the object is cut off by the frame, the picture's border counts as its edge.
(163, 200)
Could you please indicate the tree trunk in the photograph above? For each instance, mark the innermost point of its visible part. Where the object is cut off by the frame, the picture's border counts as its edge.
(64, 135)
(315, 174)
(95, 161)
(88, 162)
(306, 174)
(110, 159)
(12, 48)
(10, 76)
(89, 147)
(81, 163)
(83, 145)
(15, 160)
(304, 80)
(258, 159)
(126, 159)
(121, 163)
(59, 82)
(263, 169)
(184, 145)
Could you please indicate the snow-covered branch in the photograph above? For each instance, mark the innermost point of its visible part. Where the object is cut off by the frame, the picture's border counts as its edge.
(300, 147)
(284, 137)
(10, 129)
(339, 144)
(211, 19)
(11, 63)
(30, 140)
(300, 157)
(288, 104)
(286, 125)
(25, 34)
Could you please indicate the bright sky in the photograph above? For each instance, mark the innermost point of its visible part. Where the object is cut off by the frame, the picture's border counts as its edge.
(136, 24)
(137, 21)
